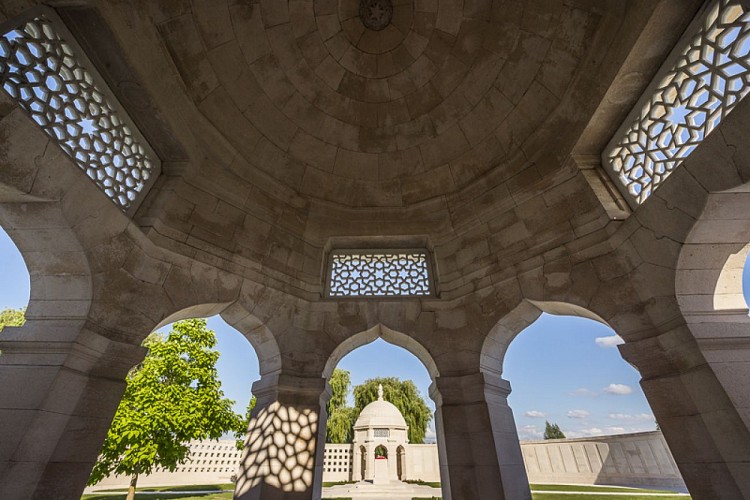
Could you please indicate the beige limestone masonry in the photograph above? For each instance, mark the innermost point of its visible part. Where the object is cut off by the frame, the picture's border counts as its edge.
(283, 130)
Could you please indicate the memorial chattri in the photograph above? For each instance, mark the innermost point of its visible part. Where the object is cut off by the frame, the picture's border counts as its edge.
(324, 173)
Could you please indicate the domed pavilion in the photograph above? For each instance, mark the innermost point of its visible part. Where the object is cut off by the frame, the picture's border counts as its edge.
(380, 441)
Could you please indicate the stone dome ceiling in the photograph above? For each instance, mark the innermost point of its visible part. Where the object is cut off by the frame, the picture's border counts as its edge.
(424, 101)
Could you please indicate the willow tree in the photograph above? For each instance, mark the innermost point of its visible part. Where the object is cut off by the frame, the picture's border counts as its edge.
(341, 418)
(404, 395)
(171, 398)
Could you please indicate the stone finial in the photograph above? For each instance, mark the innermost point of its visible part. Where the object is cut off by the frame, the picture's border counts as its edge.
(380, 392)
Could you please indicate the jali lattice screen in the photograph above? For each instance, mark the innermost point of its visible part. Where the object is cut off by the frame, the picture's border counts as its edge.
(366, 273)
(48, 75)
(710, 76)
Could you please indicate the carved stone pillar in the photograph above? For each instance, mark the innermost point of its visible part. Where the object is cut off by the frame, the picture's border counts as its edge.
(701, 408)
(57, 400)
(480, 456)
(279, 457)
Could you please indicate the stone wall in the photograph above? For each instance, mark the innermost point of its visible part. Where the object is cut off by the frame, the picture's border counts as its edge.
(337, 463)
(422, 462)
(641, 459)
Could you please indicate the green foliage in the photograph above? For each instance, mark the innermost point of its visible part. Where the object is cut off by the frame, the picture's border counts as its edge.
(340, 383)
(12, 317)
(244, 424)
(405, 396)
(172, 397)
(341, 418)
(552, 431)
(340, 425)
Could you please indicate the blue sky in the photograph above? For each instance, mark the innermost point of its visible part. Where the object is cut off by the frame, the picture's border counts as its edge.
(562, 369)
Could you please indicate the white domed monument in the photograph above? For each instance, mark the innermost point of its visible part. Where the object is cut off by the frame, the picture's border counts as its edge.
(380, 451)
(380, 440)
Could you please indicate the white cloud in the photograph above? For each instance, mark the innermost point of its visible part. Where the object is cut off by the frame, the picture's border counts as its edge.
(630, 416)
(582, 391)
(530, 432)
(612, 429)
(592, 431)
(578, 414)
(535, 414)
(611, 341)
(618, 389)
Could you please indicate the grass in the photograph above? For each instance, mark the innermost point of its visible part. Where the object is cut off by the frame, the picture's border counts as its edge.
(147, 496)
(213, 492)
(603, 496)
(195, 487)
(602, 489)
(419, 482)
(336, 483)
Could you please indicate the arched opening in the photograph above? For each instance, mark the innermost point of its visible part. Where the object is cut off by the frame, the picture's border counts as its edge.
(381, 453)
(583, 418)
(376, 361)
(16, 289)
(226, 358)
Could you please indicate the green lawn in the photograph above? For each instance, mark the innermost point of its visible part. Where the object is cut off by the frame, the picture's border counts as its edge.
(147, 496)
(576, 487)
(213, 492)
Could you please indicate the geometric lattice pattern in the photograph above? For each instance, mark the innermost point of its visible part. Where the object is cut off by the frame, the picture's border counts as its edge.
(708, 79)
(379, 274)
(42, 73)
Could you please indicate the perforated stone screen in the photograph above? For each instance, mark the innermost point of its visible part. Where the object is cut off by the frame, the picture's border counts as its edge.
(692, 94)
(378, 273)
(48, 74)
(381, 433)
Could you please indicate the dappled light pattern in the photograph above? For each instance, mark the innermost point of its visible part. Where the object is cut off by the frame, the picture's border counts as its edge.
(379, 274)
(42, 71)
(707, 81)
(280, 450)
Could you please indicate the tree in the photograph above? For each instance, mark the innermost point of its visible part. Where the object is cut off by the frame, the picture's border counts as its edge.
(12, 317)
(341, 418)
(405, 396)
(244, 424)
(552, 431)
(171, 398)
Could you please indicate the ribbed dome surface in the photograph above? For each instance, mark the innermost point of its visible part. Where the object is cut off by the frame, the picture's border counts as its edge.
(381, 414)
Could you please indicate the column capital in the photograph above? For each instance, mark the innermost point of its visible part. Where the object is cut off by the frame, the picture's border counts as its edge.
(467, 389)
(280, 386)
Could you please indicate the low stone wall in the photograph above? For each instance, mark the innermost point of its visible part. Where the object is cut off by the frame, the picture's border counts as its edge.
(641, 459)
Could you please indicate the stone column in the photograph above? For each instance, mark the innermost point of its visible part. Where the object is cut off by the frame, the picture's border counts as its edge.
(703, 416)
(57, 400)
(481, 456)
(369, 459)
(279, 457)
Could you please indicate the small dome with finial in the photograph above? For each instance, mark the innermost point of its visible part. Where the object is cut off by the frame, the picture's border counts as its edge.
(380, 414)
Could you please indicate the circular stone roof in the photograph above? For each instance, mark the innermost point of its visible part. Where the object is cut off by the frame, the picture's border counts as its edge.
(381, 414)
(378, 103)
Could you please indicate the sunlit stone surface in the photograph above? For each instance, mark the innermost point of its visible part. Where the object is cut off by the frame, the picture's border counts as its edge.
(289, 132)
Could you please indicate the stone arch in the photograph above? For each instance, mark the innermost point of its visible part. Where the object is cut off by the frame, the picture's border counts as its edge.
(709, 268)
(249, 326)
(391, 336)
(401, 463)
(517, 320)
(60, 276)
